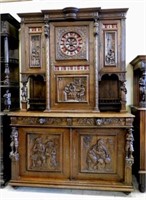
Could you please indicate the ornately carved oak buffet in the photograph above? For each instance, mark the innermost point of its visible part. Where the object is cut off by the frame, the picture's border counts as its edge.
(73, 130)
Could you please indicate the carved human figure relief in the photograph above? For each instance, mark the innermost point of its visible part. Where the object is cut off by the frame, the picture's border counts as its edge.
(72, 89)
(98, 156)
(110, 48)
(44, 154)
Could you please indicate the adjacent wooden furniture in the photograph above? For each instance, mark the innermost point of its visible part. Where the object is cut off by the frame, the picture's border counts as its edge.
(9, 87)
(139, 110)
(73, 130)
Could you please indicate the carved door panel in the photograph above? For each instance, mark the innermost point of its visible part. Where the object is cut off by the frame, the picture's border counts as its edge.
(111, 41)
(98, 154)
(44, 153)
(33, 59)
(72, 71)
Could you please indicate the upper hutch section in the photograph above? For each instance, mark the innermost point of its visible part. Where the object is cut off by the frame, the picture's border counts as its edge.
(73, 59)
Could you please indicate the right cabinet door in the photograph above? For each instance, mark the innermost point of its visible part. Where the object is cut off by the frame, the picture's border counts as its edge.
(98, 154)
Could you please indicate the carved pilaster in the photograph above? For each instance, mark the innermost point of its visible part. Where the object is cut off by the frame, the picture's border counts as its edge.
(14, 155)
(47, 36)
(96, 30)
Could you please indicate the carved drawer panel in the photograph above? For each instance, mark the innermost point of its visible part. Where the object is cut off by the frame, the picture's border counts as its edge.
(98, 154)
(46, 151)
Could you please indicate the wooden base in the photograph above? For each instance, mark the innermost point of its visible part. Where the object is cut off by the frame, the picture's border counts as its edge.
(104, 186)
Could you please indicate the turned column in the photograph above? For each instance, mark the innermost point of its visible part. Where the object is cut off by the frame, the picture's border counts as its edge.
(47, 36)
(96, 66)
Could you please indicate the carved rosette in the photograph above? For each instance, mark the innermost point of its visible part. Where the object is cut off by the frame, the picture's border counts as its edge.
(129, 148)
(14, 155)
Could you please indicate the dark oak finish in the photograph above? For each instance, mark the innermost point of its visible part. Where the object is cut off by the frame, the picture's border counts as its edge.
(139, 110)
(73, 130)
(9, 87)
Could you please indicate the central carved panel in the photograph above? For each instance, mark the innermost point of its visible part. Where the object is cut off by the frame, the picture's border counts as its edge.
(72, 88)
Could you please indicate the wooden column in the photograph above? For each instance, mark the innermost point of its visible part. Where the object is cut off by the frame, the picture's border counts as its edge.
(96, 108)
(47, 35)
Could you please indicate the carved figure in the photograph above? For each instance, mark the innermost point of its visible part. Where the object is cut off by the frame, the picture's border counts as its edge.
(38, 155)
(110, 57)
(142, 88)
(97, 156)
(7, 100)
(50, 152)
(74, 92)
(123, 92)
(24, 92)
(129, 144)
(14, 144)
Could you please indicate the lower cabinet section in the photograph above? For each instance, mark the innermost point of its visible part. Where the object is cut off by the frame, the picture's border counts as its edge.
(60, 154)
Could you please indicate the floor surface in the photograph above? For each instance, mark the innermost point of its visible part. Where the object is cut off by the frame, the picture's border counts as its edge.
(31, 193)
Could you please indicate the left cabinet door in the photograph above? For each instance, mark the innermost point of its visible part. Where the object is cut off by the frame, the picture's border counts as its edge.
(43, 155)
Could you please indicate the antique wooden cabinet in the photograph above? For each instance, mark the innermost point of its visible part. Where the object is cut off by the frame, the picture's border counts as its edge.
(139, 110)
(9, 86)
(73, 130)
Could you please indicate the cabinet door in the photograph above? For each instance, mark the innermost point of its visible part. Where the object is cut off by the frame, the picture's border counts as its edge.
(98, 154)
(43, 153)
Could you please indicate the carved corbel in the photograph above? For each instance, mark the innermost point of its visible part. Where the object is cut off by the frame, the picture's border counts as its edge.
(14, 155)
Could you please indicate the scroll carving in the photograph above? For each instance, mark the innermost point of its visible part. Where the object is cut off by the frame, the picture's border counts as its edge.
(110, 121)
(14, 155)
(86, 121)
